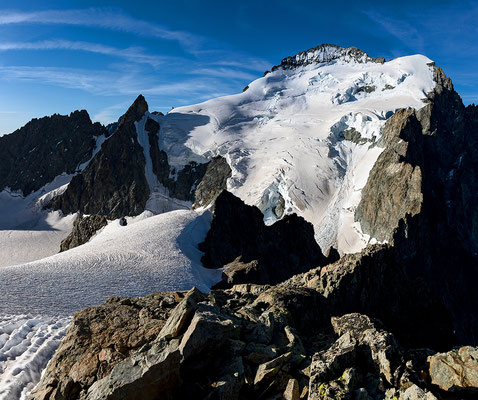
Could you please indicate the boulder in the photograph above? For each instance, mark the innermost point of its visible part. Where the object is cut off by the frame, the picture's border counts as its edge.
(99, 338)
(456, 370)
(181, 315)
(361, 350)
(267, 371)
(292, 390)
(153, 373)
(208, 330)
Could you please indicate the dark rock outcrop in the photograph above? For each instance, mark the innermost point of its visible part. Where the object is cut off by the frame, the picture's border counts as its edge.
(281, 250)
(371, 283)
(183, 187)
(213, 182)
(159, 158)
(83, 230)
(114, 182)
(35, 154)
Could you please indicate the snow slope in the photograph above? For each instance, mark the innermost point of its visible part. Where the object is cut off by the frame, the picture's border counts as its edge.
(27, 232)
(151, 253)
(284, 135)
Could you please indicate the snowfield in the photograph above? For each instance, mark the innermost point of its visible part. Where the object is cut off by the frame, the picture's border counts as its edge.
(151, 253)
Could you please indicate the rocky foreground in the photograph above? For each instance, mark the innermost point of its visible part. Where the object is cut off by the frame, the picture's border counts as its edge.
(306, 338)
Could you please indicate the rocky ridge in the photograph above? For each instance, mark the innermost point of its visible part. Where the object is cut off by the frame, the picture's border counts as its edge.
(326, 53)
(35, 154)
(113, 184)
(253, 252)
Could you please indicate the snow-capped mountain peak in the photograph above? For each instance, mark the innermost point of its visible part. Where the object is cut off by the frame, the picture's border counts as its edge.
(304, 139)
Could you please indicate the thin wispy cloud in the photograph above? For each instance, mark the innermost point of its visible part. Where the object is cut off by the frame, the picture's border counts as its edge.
(224, 73)
(104, 18)
(205, 87)
(113, 83)
(250, 63)
(447, 34)
(116, 20)
(134, 54)
(109, 114)
(406, 32)
(421, 32)
(98, 82)
(213, 70)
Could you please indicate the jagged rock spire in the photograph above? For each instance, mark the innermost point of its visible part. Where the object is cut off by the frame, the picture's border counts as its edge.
(136, 110)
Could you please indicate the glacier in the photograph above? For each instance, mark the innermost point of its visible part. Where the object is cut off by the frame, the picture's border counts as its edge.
(285, 134)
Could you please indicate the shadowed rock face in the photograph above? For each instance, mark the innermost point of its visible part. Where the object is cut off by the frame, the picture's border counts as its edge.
(213, 182)
(83, 230)
(281, 250)
(419, 196)
(159, 158)
(44, 148)
(114, 182)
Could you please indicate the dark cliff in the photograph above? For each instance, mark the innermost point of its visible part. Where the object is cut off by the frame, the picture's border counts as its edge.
(35, 154)
(422, 196)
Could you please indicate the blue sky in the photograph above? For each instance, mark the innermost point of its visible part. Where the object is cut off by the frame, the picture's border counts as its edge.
(60, 56)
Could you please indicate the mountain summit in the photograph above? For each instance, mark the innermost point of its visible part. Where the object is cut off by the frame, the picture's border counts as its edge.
(326, 53)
